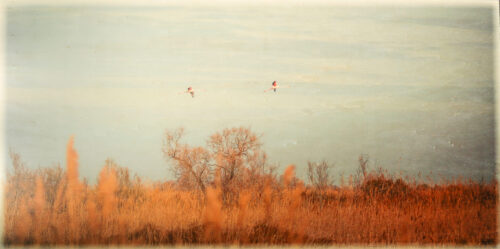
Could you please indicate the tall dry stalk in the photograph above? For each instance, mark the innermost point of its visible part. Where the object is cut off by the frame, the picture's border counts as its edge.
(106, 196)
(23, 224)
(267, 199)
(212, 217)
(94, 221)
(73, 196)
(106, 191)
(293, 209)
(243, 200)
(40, 215)
(72, 167)
(289, 175)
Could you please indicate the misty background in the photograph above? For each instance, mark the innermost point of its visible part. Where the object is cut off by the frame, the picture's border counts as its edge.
(412, 88)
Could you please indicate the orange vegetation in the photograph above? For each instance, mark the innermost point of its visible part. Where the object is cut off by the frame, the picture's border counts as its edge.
(51, 206)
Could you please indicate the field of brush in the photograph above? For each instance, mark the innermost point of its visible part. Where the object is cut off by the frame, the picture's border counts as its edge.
(51, 206)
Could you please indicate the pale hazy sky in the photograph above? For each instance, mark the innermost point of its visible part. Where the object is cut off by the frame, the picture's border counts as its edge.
(411, 87)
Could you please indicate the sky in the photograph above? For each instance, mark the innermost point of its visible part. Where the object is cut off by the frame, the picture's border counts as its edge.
(412, 88)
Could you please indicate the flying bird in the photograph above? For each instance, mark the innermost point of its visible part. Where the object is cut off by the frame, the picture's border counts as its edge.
(189, 90)
(274, 87)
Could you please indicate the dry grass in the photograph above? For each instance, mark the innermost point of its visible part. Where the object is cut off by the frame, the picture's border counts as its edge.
(52, 207)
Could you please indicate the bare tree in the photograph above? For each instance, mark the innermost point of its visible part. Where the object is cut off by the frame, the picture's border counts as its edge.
(319, 174)
(362, 171)
(233, 158)
(236, 151)
(191, 165)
